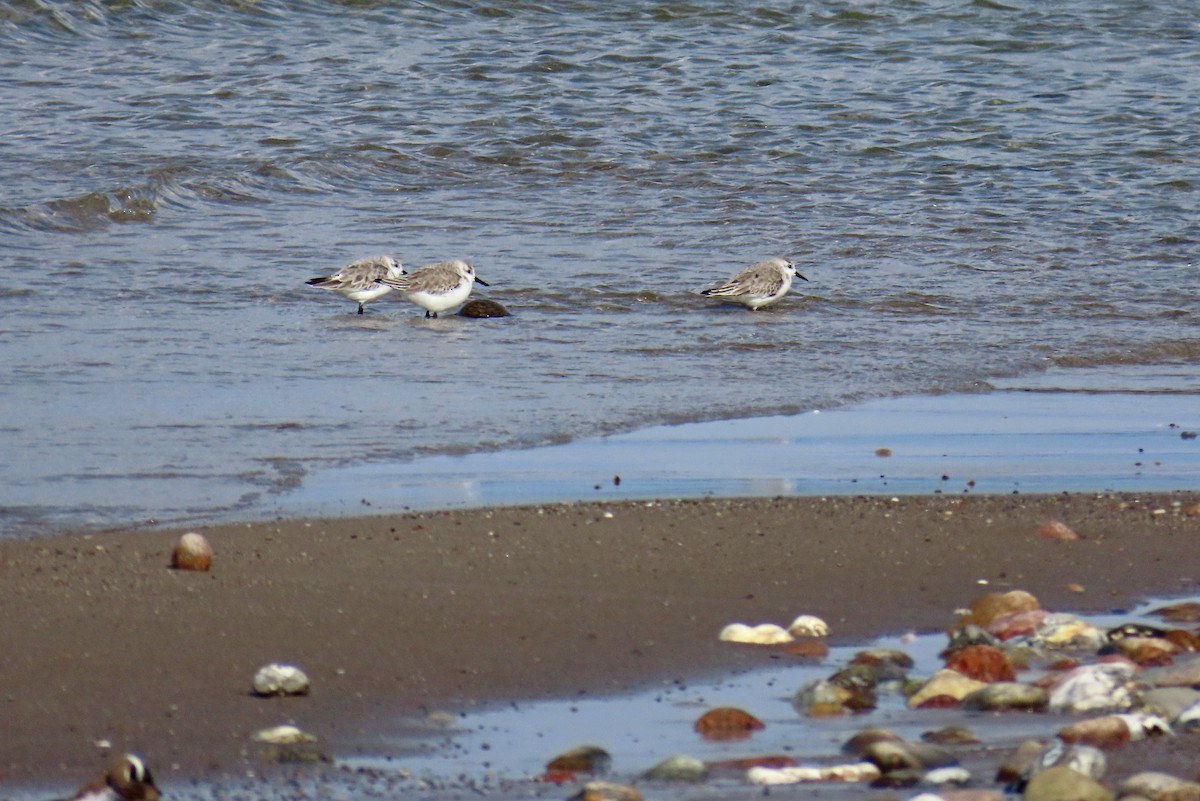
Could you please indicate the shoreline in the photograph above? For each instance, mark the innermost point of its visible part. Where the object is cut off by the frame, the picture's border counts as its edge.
(394, 616)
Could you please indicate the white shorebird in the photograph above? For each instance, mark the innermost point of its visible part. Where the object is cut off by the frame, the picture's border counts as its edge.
(436, 287)
(758, 285)
(127, 779)
(359, 281)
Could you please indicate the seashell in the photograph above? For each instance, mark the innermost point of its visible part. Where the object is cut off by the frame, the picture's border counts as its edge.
(808, 626)
(762, 634)
(283, 735)
(857, 772)
(1056, 530)
(192, 552)
(276, 679)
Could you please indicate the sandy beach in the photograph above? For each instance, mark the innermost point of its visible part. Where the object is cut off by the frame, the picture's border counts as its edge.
(395, 616)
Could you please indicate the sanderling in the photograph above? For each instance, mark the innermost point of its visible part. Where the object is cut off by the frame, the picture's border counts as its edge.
(359, 281)
(127, 779)
(436, 287)
(758, 285)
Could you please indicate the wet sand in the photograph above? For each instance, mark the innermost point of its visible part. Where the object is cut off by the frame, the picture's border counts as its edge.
(393, 616)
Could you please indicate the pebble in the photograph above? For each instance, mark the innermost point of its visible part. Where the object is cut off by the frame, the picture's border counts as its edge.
(1158, 786)
(678, 768)
(984, 663)
(969, 634)
(276, 679)
(1093, 688)
(1145, 651)
(192, 552)
(727, 723)
(951, 735)
(862, 740)
(1062, 631)
(606, 791)
(1085, 759)
(945, 683)
(1114, 731)
(1006, 695)
(1061, 783)
(820, 699)
(1171, 703)
(582, 759)
(1056, 530)
(1183, 673)
(987, 608)
(943, 776)
(896, 755)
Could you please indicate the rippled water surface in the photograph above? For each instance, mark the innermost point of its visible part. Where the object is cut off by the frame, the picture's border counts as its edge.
(975, 189)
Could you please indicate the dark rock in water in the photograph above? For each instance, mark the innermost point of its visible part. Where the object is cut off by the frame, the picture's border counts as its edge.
(727, 723)
(483, 308)
(581, 759)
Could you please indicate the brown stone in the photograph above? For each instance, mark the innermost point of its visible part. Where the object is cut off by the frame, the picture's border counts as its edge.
(1057, 530)
(192, 552)
(988, 607)
(727, 723)
(581, 759)
(982, 663)
(483, 308)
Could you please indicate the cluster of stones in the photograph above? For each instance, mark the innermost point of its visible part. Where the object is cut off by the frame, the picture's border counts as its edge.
(1121, 685)
(1138, 683)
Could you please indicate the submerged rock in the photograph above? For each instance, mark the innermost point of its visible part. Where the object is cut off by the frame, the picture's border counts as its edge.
(727, 723)
(483, 308)
(582, 759)
(606, 791)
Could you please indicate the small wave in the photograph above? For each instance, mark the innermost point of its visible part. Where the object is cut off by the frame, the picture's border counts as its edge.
(1184, 351)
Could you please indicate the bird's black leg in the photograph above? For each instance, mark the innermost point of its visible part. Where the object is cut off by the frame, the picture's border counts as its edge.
(360, 308)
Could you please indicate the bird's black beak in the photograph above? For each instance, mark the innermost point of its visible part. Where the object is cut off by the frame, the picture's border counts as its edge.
(479, 280)
(798, 275)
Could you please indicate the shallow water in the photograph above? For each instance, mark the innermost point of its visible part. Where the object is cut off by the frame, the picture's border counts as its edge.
(975, 190)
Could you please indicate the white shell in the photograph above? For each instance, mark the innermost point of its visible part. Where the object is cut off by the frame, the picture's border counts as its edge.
(277, 679)
(283, 735)
(808, 626)
(762, 634)
(856, 772)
